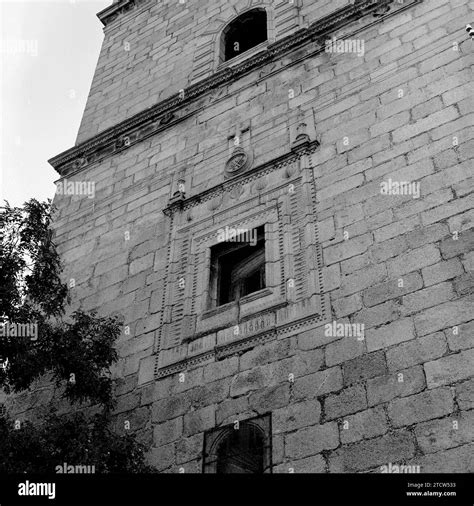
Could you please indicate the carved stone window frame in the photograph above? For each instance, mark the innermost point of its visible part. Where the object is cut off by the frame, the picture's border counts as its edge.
(279, 195)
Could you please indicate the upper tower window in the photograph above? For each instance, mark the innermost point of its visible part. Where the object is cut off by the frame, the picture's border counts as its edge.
(244, 33)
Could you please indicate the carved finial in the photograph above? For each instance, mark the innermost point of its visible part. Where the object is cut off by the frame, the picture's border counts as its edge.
(180, 193)
(302, 138)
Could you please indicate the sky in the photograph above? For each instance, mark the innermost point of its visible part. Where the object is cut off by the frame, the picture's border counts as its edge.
(48, 54)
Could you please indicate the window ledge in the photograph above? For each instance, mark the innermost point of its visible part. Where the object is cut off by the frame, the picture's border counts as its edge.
(264, 292)
(256, 295)
(219, 310)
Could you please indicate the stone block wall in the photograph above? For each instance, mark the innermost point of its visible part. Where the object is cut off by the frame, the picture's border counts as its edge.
(399, 266)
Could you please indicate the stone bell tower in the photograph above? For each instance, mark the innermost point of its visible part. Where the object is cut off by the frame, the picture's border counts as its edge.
(281, 312)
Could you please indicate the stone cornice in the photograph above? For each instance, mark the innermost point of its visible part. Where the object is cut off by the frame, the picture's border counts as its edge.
(118, 8)
(172, 110)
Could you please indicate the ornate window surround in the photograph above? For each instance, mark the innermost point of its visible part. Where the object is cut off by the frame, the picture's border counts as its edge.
(294, 299)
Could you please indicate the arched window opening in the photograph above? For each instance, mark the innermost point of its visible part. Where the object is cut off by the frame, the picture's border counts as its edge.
(244, 33)
(241, 451)
(244, 448)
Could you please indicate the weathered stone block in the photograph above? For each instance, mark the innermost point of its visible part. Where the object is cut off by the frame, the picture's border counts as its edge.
(461, 337)
(133, 421)
(347, 305)
(450, 369)
(172, 407)
(146, 371)
(142, 264)
(464, 284)
(276, 350)
(127, 402)
(161, 458)
(413, 260)
(416, 351)
(157, 390)
(295, 416)
(122, 385)
(444, 316)
(451, 247)
(374, 452)
(331, 277)
(199, 420)
(442, 271)
(345, 349)
(135, 344)
(270, 398)
(364, 425)
(314, 464)
(401, 384)
(392, 289)
(397, 228)
(350, 400)
(307, 362)
(465, 394)
(446, 433)
(364, 367)
(429, 297)
(221, 369)
(318, 384)
(229, 408)
(380, 314)
(426, 124)
(248, 381)
(187, 380)
(210, 393)
(189, 448)
(347, 249)
(363, 278)
(388, 335)
(421, 407)
(424, 235)
(447, 210)
(311, 339)
(456, 460)
(168, 432)
(312, 440)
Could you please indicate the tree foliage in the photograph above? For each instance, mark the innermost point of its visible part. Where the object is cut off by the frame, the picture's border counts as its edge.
(77, 350)
(74, 440)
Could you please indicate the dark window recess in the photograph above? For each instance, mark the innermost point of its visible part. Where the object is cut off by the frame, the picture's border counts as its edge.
(238, 268)
(243, 448)
(247, 31)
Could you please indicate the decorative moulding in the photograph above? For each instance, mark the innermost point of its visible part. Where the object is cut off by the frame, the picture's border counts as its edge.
(240, 161)
(235, 185)
(185, 358)
(182, 105)
(118, 8)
